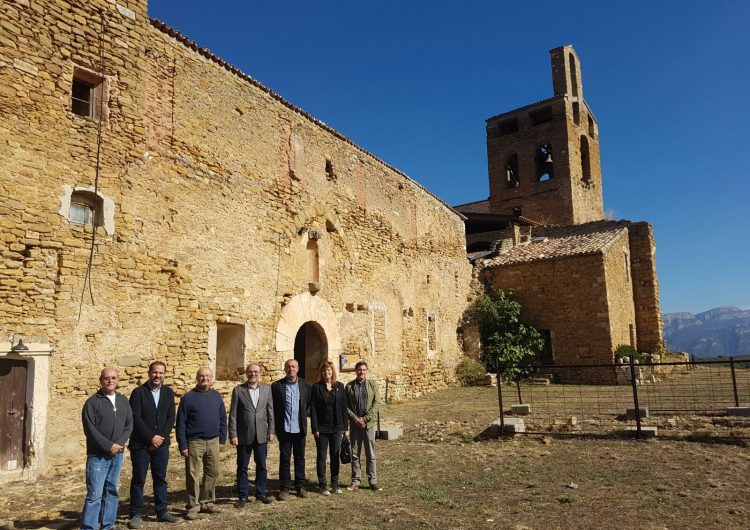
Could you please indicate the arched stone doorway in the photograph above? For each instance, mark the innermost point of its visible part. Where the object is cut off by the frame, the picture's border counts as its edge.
(310, 349)
(313, 318)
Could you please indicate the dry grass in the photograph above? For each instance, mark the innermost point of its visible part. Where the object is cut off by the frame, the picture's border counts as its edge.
(443, 474)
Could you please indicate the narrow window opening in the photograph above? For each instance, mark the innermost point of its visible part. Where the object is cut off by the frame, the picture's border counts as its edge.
(585, 161)
(573, 75)
(576, 113)
(626, 263)
(546, 356)
(230, 351)
(431, 335)
(540, 116)
(512, 178)
(544, 163)
(86, 93)
(313, 261)
(330, 174)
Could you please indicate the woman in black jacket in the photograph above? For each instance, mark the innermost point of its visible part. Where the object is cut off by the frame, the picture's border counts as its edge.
(329, 420)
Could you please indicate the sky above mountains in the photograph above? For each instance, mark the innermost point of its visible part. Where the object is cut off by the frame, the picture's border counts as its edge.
(414, 81)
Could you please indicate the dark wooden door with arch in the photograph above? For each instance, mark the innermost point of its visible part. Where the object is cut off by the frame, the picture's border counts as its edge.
(12, 413)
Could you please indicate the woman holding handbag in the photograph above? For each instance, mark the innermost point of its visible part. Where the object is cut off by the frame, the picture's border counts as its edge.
(329, 421)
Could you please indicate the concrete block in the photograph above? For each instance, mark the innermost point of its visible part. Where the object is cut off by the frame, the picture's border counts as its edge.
(512, 426)
(647, 431)
(630, 413)
(738, 411)
(520, 409)
(389, 433)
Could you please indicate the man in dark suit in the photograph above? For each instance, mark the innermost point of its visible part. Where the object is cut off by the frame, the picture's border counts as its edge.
(291, 402)
(153, 419)
(251, 427)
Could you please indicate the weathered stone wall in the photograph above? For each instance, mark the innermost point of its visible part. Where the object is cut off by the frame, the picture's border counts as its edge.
(645, 287)
(220, 192)
(620, 304)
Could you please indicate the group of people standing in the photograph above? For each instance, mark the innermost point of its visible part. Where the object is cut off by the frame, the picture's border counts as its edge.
(258, 414)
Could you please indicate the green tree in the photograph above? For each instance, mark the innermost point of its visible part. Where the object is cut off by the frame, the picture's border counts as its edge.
(509, 347)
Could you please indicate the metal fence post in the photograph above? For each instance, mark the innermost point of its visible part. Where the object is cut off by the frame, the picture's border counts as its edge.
(500, 402)
(635, 398)
(734, 383)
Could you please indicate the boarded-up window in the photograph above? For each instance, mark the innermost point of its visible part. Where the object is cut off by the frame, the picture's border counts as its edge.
(230, 351)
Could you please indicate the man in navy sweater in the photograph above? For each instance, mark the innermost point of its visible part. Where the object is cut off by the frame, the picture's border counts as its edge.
(201, 434)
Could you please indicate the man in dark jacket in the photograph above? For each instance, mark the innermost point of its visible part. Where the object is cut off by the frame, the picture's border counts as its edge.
(291, 402)
(201, 435)
(153, 419)
(107, 424)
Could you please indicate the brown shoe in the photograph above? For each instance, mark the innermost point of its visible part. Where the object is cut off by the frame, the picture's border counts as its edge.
(283, 495)
(211, 509)
(302, 492)
(192, 513)
(354, 486)
(375, 487)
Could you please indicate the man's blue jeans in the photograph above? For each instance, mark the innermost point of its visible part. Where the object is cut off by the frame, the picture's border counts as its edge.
(260, 452)
(102, 478)
(158, 460)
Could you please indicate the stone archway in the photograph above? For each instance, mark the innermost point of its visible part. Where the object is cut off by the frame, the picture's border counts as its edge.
(310, 349)
(309, 313)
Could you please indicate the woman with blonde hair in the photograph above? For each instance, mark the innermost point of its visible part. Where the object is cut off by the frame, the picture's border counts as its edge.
(329, 421)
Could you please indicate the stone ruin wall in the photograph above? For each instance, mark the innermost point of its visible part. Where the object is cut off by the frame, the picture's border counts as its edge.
(211, 179)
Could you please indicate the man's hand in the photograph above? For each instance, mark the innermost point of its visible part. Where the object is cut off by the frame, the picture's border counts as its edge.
(316, 434)
(157, 440)
(221, 447)
(361, 423)
(271, 437)
(234, 441)
(184, 453)
(116, 448)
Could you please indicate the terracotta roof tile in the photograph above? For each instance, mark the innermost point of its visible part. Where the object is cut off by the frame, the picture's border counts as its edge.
(559, 242)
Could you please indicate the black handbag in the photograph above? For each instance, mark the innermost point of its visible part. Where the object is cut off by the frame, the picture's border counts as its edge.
(346, 450)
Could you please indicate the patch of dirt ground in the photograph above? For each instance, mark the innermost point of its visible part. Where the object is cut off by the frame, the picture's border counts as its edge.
(443, 474)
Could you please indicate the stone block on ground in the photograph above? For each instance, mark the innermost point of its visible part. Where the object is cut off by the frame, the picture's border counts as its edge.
(521, 409)
(630, 413)
(646, 431)
(511, 426)
(738, 411)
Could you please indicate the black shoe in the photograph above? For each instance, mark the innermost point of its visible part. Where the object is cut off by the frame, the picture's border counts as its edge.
(265, 500)
(135, 522)
(283, 495)
(241, 503)
(166, 518)
(302, 492)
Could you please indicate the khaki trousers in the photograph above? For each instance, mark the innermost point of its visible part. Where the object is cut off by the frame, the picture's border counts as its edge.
(203, 455)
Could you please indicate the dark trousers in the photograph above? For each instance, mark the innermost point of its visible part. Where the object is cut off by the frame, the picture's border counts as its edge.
(324, 442)
(142, 459)
(288, 444)
(260, 452)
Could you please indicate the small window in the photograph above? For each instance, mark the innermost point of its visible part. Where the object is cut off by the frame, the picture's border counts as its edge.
(585, 161)
(85, 208)
(573, 75)
(86, 93)
(431, 336)
(592, 127)
(544, 163)
(576, 113)
(330, 174)
(512, 178)
(313, 261)
(540, 116)
(517, 211)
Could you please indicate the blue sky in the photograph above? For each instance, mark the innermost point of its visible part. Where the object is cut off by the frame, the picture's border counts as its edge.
(413, 82)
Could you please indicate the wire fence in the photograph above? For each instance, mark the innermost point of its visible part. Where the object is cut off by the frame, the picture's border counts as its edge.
(696, 398)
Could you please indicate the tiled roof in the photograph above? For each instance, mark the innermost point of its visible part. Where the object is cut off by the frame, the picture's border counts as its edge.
(179, 37)
(474, 207)
(565, 241)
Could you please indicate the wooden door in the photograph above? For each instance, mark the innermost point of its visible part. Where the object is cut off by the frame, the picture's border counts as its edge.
(12, 413)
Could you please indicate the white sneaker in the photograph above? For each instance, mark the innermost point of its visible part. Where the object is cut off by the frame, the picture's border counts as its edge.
(338, 491)
(325, 491)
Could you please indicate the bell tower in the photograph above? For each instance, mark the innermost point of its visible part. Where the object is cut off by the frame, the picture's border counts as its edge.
(543, 158)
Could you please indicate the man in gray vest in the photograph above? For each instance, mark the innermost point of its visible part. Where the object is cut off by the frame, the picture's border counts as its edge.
(251, 427)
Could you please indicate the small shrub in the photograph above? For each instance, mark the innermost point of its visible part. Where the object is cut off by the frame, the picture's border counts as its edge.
(469, 372)
(626, 350)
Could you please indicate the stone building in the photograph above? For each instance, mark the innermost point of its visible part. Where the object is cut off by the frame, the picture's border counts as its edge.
(587, 283)
(157, 203)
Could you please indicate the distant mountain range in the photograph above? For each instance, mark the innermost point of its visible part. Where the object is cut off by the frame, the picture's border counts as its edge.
(721, 331)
